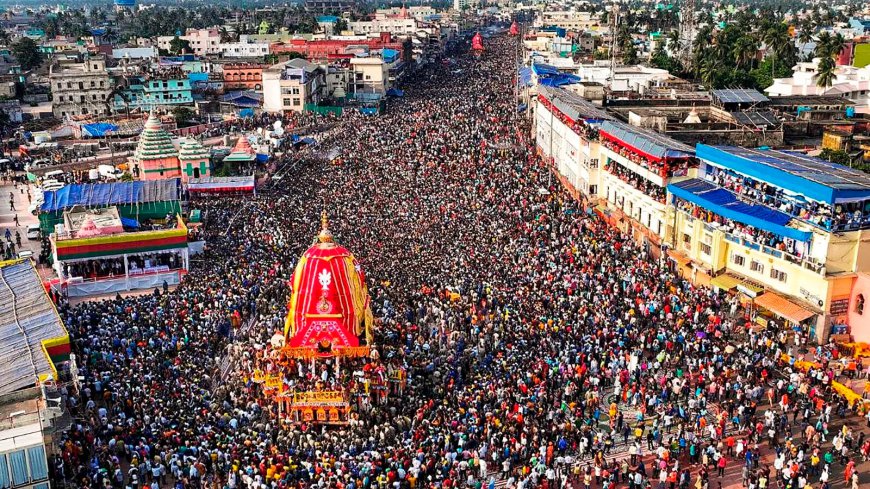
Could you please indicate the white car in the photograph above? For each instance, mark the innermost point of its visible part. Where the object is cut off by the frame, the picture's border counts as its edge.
(33, 232)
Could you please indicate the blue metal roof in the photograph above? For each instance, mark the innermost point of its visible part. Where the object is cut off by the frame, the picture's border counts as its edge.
(726, 204)
(815, 178)
(646, 141)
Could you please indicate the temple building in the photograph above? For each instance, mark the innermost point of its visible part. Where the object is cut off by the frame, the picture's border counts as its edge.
(242, 153)
(195, 160)
(155, 156)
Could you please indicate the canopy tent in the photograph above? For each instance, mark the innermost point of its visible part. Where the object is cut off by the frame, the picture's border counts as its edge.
(151, 199)
(77, 249)
(726, 204)
(221, 184)
(106, 194)
(33, 339)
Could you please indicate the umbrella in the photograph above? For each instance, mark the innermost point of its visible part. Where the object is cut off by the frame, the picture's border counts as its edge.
(701, 334)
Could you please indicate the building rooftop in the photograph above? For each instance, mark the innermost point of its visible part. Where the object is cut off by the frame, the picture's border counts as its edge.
(739, 96)
(810, 100)
(30, 329)
(645, 141)
(815, 178)
(573, 105)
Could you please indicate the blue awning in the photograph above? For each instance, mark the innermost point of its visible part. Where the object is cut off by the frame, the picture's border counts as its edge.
(129, 223)
(727, 205)
(395, 92)
(550, 76)
(98, 129)
(525, 76)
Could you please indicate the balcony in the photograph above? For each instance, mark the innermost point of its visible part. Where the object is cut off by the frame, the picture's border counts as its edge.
(804, 262)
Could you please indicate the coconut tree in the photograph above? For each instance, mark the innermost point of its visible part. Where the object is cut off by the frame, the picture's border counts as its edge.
(825, 72)
(674, 42)
(710, 70)
(805, 36)
(823, 45)
(838, 43)
(744, 51)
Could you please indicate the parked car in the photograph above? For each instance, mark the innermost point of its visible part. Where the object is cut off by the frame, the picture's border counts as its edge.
(33, 232)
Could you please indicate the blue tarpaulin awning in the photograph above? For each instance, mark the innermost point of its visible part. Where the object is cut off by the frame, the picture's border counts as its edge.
(550, 76)
(129, 223)
(98, 129)
(525, 76)
(727, 205)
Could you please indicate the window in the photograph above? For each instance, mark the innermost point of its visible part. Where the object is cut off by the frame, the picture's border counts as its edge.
(81, 85)
(69, 84)
(102, 83)
(37, 462)
(687, 239)
(296, 101)
(287, 101)
(60, 98)
(705, 249)
(4, 472)
(756, 266)
(18, 464)
(738, 259)
(778, 275)
(93, 84)
(859, 304)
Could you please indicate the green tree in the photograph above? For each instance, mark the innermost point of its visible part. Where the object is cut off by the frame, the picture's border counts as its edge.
(178, 45)
(835, 156)
(710, 71)
(823, 47)
(295, 55)
(182, 115)
(340, 26)
(674, 43)
(744, 52)
(26, 51)
(825, 72)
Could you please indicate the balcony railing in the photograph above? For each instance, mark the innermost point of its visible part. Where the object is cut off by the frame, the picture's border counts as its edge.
(807, 263)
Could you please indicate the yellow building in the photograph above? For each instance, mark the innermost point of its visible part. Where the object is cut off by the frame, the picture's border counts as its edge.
(787, 232)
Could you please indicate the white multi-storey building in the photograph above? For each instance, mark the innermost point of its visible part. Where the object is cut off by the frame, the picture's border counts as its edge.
(849, 82)
(565, 133)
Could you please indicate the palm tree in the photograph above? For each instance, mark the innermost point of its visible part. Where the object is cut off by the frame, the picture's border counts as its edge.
(778, 42)
(674, 42)
(823, 45)
(744, 52)
(709, 71)
(838, 43)
(805, 36)
(825, 72)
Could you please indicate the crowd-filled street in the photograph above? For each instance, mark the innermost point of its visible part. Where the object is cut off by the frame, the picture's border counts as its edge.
(542, 347)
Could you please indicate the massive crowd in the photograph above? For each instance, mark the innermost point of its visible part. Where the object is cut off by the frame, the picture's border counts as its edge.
(543, 348)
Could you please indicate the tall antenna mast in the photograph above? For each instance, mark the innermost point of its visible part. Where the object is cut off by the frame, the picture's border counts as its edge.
(614, 24)
(687, 30)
